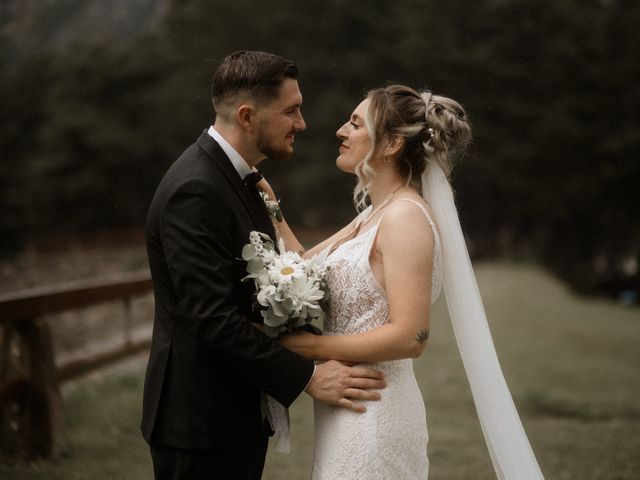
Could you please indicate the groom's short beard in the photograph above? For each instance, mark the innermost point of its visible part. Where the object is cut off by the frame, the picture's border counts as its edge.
(266, 146)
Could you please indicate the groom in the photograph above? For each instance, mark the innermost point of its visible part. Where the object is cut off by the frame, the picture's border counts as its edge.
(208, 363)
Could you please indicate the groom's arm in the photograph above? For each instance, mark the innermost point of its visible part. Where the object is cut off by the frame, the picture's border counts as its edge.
(195, 226)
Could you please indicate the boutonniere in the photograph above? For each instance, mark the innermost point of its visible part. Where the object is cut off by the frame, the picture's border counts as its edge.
(273, 207)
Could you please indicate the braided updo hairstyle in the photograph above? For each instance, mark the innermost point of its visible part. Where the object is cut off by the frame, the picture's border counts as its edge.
(434, 128)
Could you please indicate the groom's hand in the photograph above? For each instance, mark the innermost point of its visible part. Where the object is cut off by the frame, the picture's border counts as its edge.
(337, 384)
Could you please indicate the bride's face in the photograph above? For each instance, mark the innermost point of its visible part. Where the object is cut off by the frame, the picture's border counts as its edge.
(356, 141)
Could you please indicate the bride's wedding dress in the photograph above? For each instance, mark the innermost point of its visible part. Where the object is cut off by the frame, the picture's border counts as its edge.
(389, 441)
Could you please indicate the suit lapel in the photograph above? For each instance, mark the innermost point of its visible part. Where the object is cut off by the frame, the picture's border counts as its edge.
(257, 211)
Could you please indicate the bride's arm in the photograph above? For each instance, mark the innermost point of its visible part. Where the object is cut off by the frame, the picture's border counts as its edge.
(291, 242)
(405, 242)
(283, 231)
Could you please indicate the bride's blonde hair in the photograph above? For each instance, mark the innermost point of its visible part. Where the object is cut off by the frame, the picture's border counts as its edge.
(433, 127)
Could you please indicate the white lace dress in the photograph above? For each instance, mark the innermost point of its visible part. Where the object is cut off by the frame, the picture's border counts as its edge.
(389, 441)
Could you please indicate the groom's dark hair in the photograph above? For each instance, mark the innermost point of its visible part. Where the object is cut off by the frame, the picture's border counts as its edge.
(258, 74)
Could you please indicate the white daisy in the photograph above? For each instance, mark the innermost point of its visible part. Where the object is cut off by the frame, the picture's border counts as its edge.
(285, 268)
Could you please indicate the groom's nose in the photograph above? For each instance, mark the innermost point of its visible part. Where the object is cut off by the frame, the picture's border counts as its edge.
(299, 123)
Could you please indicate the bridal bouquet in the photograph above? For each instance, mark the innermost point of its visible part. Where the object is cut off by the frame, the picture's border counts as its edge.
(290, 291)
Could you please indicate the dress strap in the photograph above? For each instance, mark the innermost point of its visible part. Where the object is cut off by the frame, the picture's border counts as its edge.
(434, 229)
(424, 210)
(362, 217)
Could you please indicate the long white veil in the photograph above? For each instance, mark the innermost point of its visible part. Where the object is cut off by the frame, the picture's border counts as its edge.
(506, 439)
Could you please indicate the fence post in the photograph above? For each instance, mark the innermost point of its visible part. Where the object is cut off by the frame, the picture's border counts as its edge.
(30, 404)
(31, 424)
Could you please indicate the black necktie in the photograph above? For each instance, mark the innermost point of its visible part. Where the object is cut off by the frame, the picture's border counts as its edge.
(252, 179)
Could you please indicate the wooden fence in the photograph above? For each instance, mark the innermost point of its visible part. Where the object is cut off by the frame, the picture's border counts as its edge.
(30, 405)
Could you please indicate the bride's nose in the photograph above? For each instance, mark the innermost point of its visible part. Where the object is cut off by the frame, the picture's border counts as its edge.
(342, 132)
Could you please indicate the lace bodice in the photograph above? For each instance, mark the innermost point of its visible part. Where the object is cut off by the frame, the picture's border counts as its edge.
(389, 441)
(357, 302)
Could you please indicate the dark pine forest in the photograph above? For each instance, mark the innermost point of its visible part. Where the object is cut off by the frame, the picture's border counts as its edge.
(99, 97)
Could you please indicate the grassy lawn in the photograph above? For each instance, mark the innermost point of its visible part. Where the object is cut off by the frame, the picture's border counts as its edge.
(573, 366)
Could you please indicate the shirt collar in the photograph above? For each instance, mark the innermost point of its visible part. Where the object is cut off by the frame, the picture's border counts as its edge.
(239, 163)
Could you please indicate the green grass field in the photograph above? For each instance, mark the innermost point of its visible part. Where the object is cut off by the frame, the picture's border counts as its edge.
(573, 366)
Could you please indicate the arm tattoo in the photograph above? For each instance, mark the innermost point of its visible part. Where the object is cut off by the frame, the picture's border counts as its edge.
(422, 336)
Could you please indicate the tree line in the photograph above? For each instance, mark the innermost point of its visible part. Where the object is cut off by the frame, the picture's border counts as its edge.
(88, 131)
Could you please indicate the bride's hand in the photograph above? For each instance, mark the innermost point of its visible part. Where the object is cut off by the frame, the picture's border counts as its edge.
(283, 231)
(301, 343)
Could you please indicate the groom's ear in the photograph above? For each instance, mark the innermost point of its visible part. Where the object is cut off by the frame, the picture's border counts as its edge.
(244, 115)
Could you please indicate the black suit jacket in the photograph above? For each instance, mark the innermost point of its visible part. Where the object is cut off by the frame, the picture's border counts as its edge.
(208, 363)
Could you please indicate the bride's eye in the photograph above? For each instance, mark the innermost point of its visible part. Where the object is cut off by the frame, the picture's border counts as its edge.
(354, 125)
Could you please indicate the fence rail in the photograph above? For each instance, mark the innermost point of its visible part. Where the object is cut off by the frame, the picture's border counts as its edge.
(30, 416)
(40, 301)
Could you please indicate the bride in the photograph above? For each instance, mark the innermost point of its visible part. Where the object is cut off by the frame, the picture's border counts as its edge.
(386, 269)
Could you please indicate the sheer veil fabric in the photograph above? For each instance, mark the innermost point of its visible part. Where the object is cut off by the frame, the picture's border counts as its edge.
(511, 453)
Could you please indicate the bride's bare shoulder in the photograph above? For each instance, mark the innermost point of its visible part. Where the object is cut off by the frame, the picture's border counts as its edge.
(408, 208)
(405, 222)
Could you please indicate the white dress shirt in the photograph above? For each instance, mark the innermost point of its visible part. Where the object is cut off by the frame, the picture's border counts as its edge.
(239, 163)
